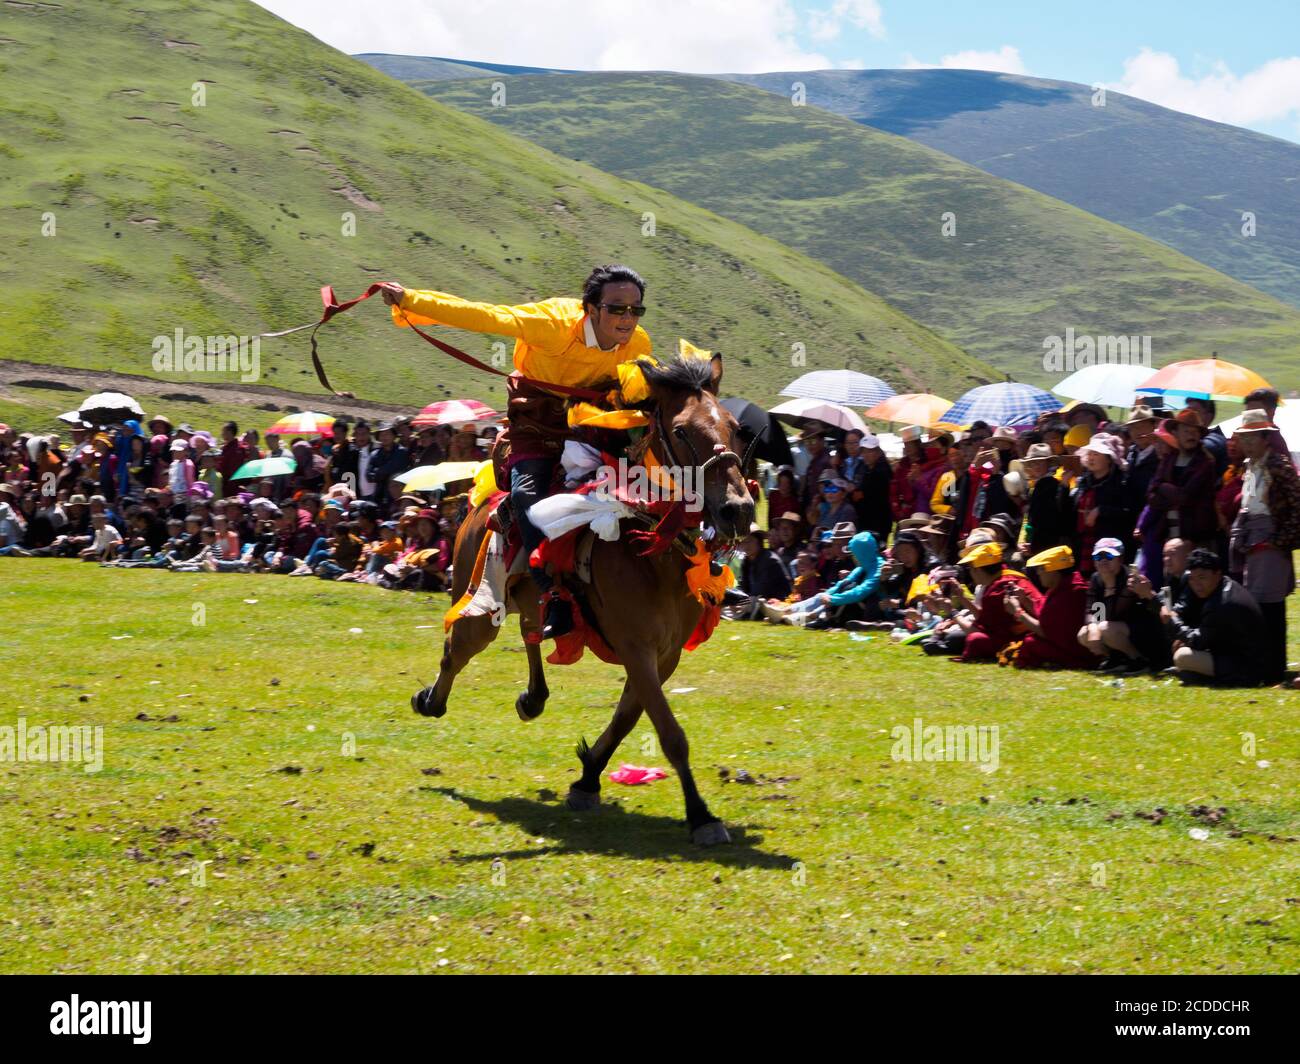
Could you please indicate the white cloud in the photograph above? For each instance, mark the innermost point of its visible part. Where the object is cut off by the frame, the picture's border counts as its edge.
(863, 14)
(1006, 60)
(700, 36)
(1269, 93)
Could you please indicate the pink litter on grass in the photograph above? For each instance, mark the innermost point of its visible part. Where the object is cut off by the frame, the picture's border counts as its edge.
(634, 774)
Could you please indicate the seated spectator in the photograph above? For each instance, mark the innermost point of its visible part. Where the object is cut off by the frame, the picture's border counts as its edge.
(785, 542)
(1123, 632)
(343, 557)
(105, 542)
(382, 551)
(982, 626)
(763, 576)
(1054, 621)
(1217, 628)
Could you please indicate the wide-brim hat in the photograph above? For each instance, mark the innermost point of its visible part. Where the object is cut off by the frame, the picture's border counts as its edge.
(1188, 416)
(1255, 421)
(917, 520)
(1141, 413)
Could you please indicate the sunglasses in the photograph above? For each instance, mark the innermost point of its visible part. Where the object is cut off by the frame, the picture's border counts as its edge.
(831, 488)
(621, 309)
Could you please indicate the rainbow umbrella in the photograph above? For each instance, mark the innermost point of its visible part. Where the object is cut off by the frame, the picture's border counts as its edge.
(453, 412)
(307, 423)
(1204, 378)
(912, 408)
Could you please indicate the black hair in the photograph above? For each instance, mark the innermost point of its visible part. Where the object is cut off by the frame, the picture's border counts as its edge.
(1211, 410)
(681, 374)
(1059, 427)
(232, 427)
(1264, 395)
(594, 285)
(1201, 558)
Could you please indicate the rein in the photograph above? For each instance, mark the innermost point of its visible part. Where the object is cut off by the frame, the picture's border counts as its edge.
(702, 467)
(333, 307)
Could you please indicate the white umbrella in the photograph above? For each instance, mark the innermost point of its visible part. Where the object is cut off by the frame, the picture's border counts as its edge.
(1105, 384)
(72, 417)
(843, 386)
(105, 408)
(801, 411)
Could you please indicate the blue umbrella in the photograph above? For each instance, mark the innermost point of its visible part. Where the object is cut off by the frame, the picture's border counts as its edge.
(847, 387)
(1004, 403)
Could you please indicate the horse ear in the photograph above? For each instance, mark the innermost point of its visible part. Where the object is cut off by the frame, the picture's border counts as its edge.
(715, 374)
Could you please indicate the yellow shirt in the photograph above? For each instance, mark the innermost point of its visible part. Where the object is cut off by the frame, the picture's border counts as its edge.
(550, 336)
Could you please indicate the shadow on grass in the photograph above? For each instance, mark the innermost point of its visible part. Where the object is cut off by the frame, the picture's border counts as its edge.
(611, 829)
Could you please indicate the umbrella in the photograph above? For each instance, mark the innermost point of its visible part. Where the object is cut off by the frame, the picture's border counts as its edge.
(453, 412)
(307, 423)
(72, 417)
(264, 467)
(105, 408)
(1204, 378)
(429, 477)
(1004, 403)
(913, 408)
(774, 447)
(801, 411)
(847, 387)
(1104, 384)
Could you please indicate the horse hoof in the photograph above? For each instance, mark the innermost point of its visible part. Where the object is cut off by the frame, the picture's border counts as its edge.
(710, 834)
(581, 801)
(524, 707)
(423, 702)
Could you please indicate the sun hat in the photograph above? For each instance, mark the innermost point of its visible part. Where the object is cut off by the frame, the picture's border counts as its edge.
(1002, 434)
(981, 555)
(917, 520)
(1086, 408)
(1053, 559)
(77, 500)
(911, 432)
(1038, 452)
(979, 535)
(790, 516)
(1108, 547)
(179, 445)
(1188, 416)
(1110, 446)
(1141, 413)
(1255, 421)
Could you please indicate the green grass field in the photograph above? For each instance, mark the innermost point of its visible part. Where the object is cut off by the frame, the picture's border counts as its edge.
(343, 833)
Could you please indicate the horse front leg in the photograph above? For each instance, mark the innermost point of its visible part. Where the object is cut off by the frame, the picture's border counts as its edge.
(468, 636)
(584, 793)
(644, 676)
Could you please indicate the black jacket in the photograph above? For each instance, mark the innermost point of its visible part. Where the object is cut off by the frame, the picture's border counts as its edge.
(1230, 625)
(765, 576)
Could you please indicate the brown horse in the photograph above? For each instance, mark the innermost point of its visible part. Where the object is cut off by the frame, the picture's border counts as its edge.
(688, 421)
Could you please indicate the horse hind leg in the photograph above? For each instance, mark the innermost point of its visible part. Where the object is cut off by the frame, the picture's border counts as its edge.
(468, 636)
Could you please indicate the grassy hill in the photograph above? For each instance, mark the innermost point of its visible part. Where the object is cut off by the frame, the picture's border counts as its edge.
(1020, 267)
(223, 215)
(1182, 180)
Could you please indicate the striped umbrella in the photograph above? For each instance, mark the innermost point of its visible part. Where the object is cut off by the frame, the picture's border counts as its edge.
(1203, 378)
(801, 411)
(453, 412)
(913, 408)
(306, 423)
(1004, 403)
(847, 387)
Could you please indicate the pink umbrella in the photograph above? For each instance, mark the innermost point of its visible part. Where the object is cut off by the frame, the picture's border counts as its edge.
(453, 412)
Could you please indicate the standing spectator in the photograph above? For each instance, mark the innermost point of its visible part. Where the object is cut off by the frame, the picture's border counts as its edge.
(234, 453)
(386, 463)
(1267, 530)
(1099, 504)
(1213, 441)
(1180, 500)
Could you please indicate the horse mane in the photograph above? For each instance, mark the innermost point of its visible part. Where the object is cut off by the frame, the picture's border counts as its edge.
(680, 375)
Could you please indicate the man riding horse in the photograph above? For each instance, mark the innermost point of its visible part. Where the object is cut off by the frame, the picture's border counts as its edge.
(575, 343)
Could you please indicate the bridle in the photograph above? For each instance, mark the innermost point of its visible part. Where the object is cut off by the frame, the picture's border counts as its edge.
(701, 467)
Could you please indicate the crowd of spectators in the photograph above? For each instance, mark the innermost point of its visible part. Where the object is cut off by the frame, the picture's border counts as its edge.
(1139, 545)
(1129, 546)
(166, 497)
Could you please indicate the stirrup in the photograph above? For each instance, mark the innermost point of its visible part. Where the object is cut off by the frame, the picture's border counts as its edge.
(557, 618)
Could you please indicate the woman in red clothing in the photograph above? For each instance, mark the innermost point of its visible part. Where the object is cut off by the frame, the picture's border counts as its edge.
(1053, 622)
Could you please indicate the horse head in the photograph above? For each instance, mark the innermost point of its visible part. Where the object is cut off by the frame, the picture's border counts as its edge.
(700, 441)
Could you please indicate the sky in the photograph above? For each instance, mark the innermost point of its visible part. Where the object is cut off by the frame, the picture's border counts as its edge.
(1237, 63)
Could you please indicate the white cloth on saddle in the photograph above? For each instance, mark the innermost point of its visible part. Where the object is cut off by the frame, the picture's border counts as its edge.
(489, 599)
(579, 460)
(557, 514)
